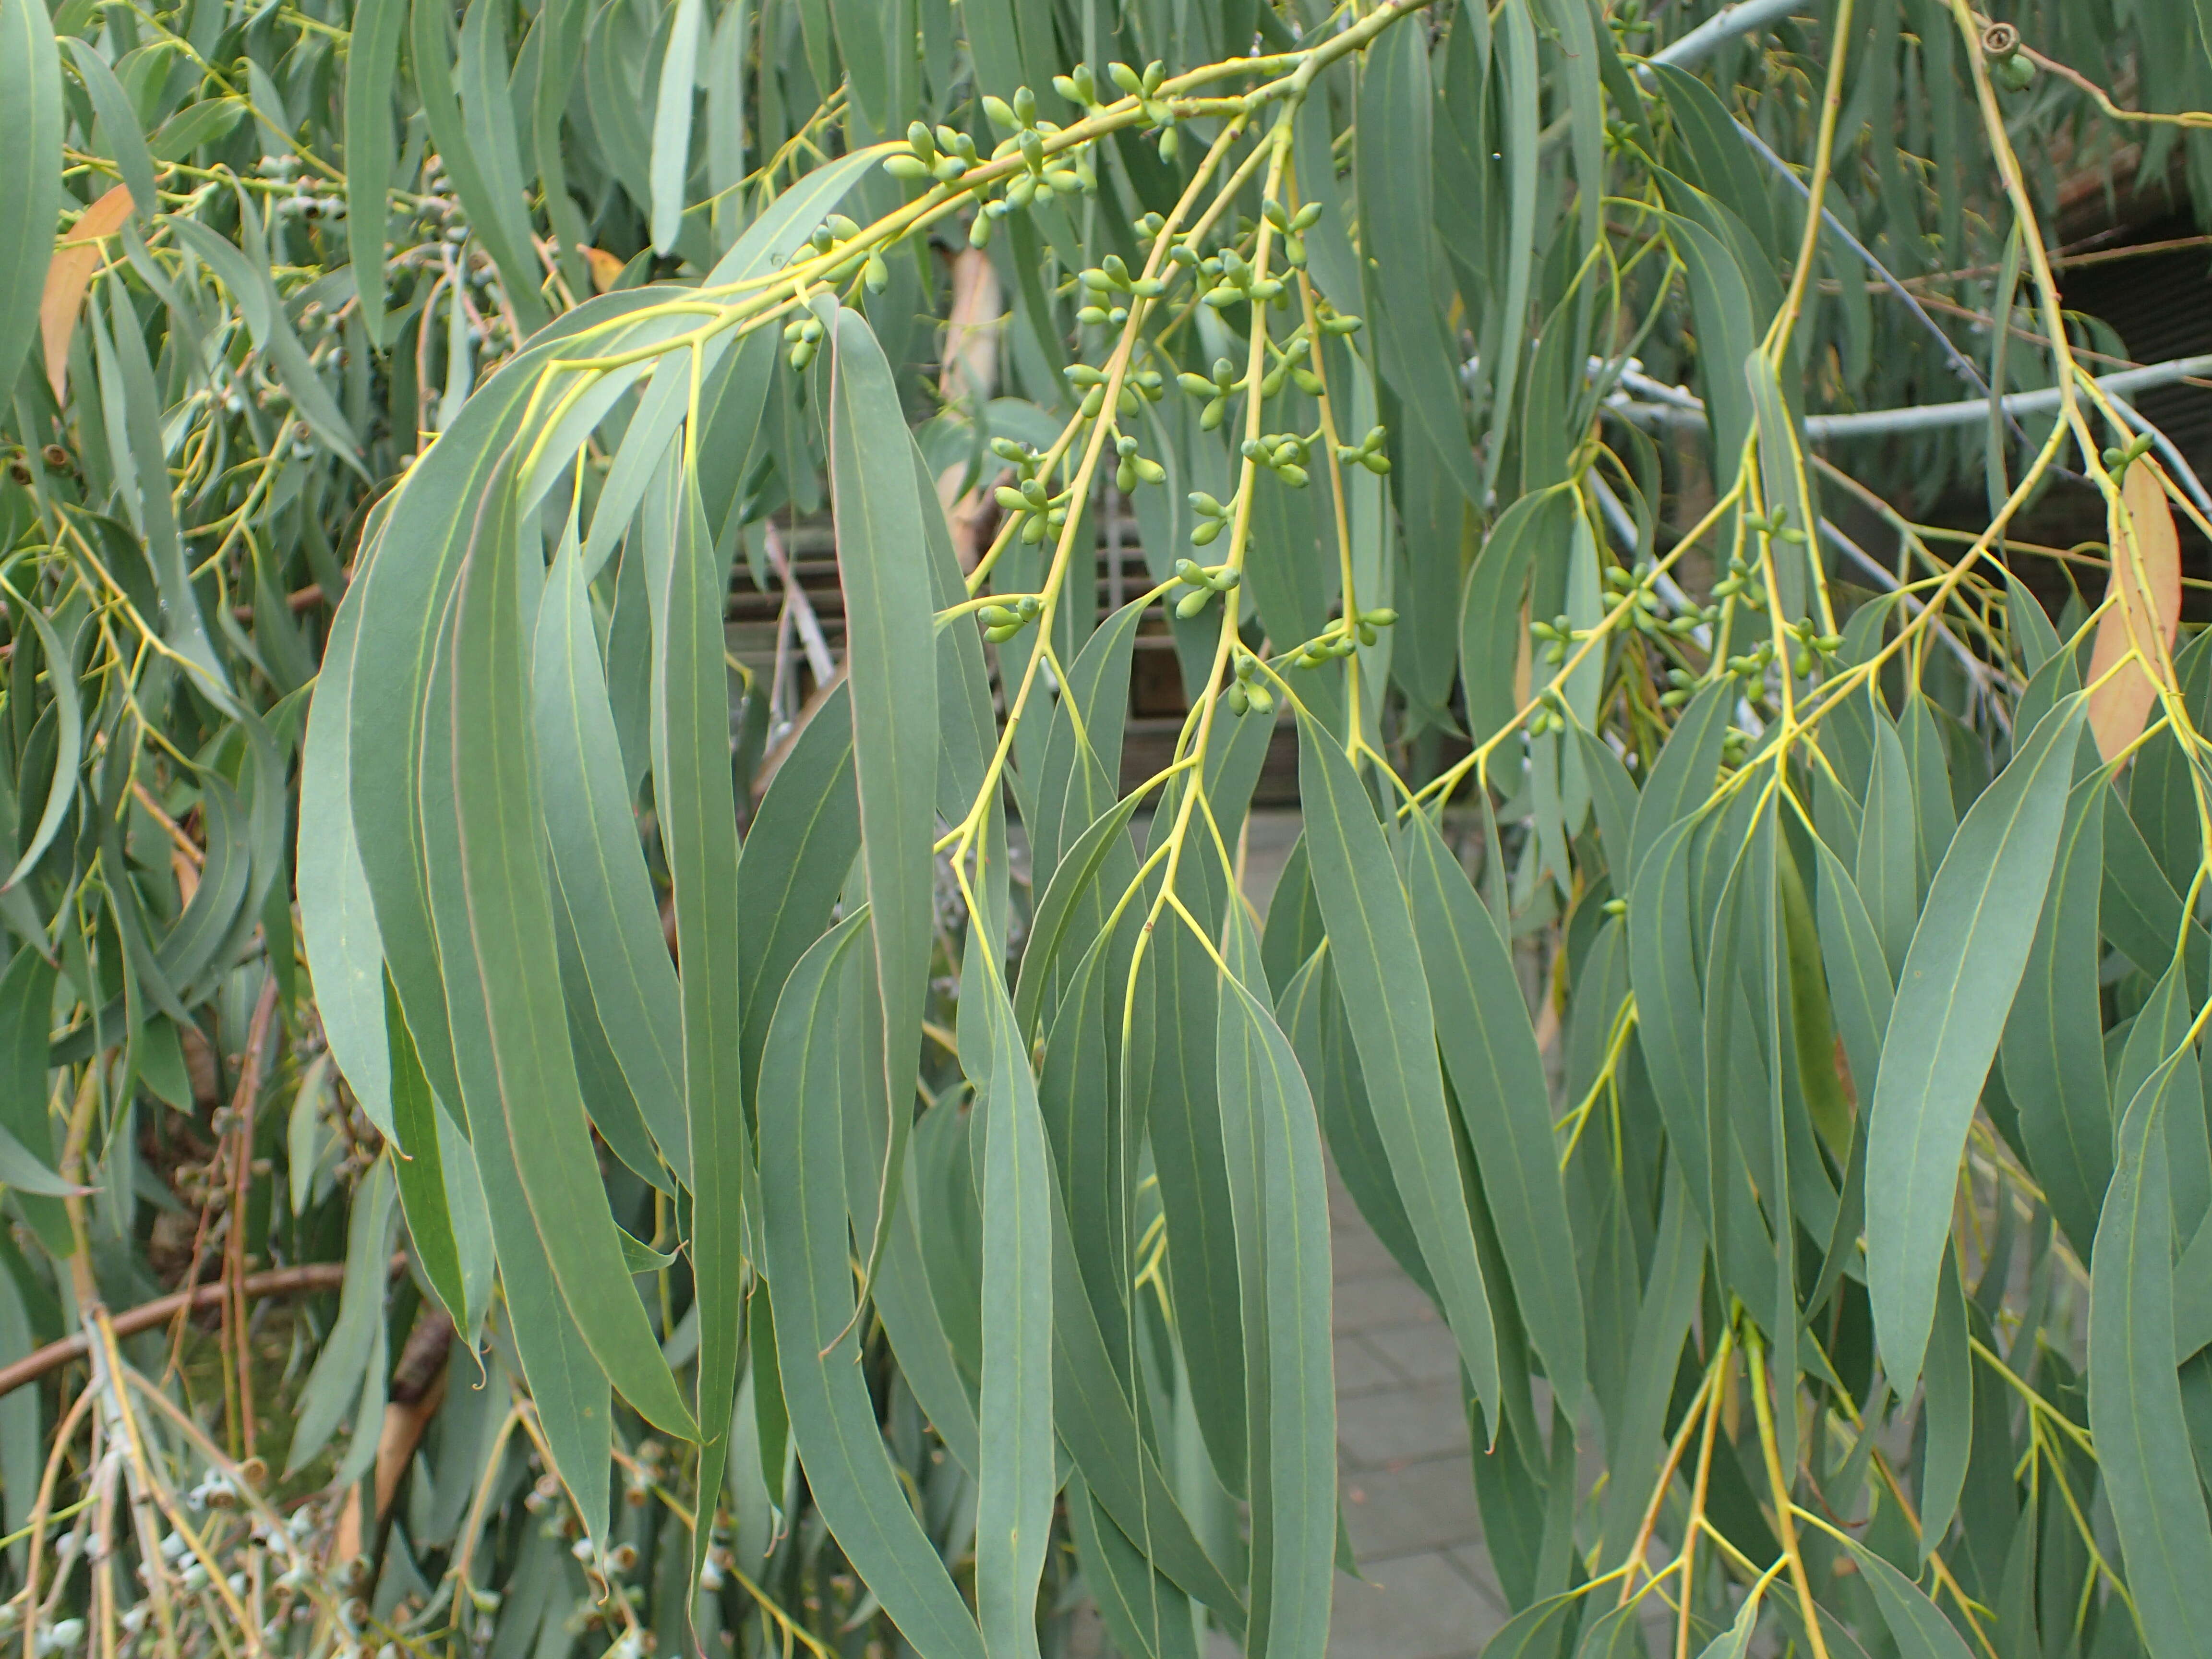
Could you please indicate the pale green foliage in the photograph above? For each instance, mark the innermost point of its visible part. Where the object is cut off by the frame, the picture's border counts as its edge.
(1739, 992)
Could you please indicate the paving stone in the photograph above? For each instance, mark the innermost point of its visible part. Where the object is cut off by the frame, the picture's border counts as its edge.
(1473, 1562)
(1422, 1352)
(1379, 1300)
(1360, 1369)
(1401, 1425)
(1358, 1253)
(1412, 1606)
(1420, 1506)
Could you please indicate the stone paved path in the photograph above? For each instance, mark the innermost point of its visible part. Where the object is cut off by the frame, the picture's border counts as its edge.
(1402, 1450)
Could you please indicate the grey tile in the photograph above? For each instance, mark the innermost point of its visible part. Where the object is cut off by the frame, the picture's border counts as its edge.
(1421, 1352)
(1414, 1606)
(1401, 1425)
(1473, 1561)
(1426, 1506)
(1356, 1253)
(1360, 1369)
(1379, 1300)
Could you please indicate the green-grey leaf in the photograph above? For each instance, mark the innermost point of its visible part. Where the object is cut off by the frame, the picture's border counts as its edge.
(891, 653)
(1378, 967)
(371, 57)
(1953, 997)
(2134, 1397)
(1498, 1076)
(814, 1050)
(672, 124)
(510, 951)
(30, 184)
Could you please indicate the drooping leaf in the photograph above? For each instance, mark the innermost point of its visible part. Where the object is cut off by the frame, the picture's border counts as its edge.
(30, 190)
(1377, 964)
(813, 1047)
(1954, 995)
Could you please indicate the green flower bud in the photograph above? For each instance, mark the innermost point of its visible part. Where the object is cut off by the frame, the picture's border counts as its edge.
(997, 616)
(1293, 476)
(1001, 114)
(1239, 700)
(906, 167)
(1024, 105)
(1382, 616)
(1212, 415)
(1224, 582)
(1149, 471)
(1206, 505)
(1011, 500)
(1125, 78)
(1205, 531)
(1191, 603)
(876, 274)
(1001, 635)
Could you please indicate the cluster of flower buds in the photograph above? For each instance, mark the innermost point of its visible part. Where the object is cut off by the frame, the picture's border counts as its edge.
(1367, 453)
(1551, 714)
(1109, 278)
(1143, 383)
(2117, 461)
(1066, 173)
(1246, 696)
(803, 336)
(1212, 517)
(1200, 583)
(1363, 627)
(835, 234)
(1283, 454)
(1236, 281)
(940, 156)
(1216, 392)
(1290, 364)
(1558, 635)
(1644, 610)
(1777, 526)
(1145, 89)
(1741, 583)
(1002, 622)
(1028, 498)
(1131, 469)
(1291, 228)
(1079, 86)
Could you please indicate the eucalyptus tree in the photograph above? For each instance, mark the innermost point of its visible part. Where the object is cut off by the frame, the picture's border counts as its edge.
(1743, 956)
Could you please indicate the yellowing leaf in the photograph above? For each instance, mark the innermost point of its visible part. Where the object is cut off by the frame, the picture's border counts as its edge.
(606, 268)
(2146, 584)
(76, 261)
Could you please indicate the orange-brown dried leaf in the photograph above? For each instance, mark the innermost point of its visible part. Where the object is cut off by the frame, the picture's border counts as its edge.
(2145, 589)
(76, 257)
